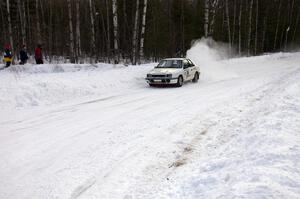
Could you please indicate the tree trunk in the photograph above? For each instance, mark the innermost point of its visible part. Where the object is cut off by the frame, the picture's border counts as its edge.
(3, 32)
(290, 21)
(250, 28)
(105, 37)
(285, 29)
(108, 31)
(264, 30)
(22, 21)
(29, 22)
(72, 57)
(234, 23)
(126, 40)
(256, 25)
(9, 26)
(43, 21)
(212, 17)
(38, 25)
(115, 25)
(240, 28)
(78, 40)
(143, 31)
(296, 25)
(93, 40)
(50, 29)
(277, 25)
(182, 50)
(291, 13)
(228, 25)
(135, 38)
(206, 17)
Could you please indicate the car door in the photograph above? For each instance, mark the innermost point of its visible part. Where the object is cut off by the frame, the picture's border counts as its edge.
(193, 69)
(186, 69)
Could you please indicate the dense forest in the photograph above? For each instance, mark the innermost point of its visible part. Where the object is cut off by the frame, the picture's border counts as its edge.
(133, 31)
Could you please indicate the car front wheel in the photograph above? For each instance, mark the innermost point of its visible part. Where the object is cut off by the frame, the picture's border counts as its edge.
(179, 81)
(196, 78)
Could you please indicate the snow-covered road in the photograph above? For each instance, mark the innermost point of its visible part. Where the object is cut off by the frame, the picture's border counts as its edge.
(103, 133)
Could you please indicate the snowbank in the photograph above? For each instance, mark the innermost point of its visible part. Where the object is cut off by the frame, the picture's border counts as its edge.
(50, 84)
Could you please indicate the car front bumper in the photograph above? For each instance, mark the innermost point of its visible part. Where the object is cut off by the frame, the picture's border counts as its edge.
(161, 80)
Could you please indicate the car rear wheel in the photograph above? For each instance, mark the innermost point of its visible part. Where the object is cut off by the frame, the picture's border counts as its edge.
(179, 81)
(196, 78)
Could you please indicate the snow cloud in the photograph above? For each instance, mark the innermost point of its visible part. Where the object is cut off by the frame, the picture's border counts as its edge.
(211, 57)
(206, 50)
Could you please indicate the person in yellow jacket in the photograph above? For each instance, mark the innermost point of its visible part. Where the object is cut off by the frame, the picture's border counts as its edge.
(7, 55)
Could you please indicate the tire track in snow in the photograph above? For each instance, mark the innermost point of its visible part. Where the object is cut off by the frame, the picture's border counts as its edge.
(82, 188)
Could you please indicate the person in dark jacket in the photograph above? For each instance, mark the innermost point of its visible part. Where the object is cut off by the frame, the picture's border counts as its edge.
(23, 55)
(38, 55)
(7, 55)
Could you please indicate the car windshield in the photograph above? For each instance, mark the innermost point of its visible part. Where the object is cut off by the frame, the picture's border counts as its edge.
(170, 64)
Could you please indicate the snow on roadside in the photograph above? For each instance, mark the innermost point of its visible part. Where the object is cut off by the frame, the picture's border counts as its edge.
(50, 84)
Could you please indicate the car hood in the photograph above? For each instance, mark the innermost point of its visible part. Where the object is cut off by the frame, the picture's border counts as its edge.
(164, 71)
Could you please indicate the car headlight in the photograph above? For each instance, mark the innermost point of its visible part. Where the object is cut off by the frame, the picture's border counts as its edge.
(169, 75)
(149, 75)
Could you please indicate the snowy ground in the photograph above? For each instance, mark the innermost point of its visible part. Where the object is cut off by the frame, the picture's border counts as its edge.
(100, 132)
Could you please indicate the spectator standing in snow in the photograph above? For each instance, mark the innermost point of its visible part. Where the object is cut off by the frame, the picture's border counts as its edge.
(7, 55)
(38, 55)
(23, 55)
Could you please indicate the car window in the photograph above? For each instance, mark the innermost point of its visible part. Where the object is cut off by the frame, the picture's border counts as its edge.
(170, 64)
(191, 63)
(186, 63)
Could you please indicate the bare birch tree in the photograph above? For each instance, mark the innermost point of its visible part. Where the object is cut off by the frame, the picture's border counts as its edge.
(28, 21)
(108, 30)
(240, 28)
(9, 26)
(256, 31)
(212, 18)
(182, 25)
(234, 22)
(3, 32)
(38, 24)
(206, 17)
(78, 40)
(264, 29)
(250, 27)
(143, 30)
(50, 29)
(72, 57)
(21, 10)
(290, 23)
(296, 25)
(93, 40)
(228, 24)
(277, 25)
(115, 25)
(42, 6)
(135, 29)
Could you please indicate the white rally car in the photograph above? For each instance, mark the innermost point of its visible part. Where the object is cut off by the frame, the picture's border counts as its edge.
(173, 71)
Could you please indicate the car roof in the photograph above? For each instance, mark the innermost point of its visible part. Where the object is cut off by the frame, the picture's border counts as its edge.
(174, 58)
